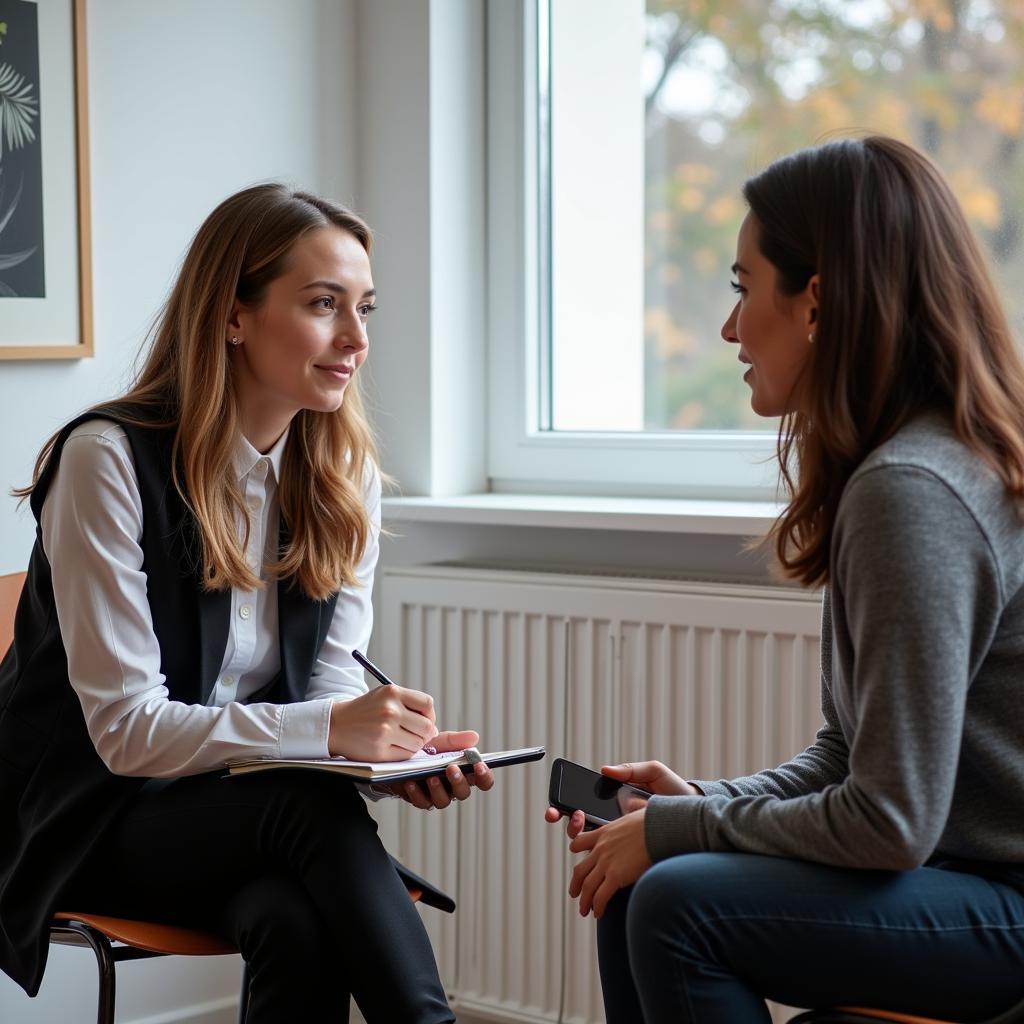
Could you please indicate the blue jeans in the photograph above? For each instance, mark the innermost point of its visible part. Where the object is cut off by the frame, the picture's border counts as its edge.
(705, 938)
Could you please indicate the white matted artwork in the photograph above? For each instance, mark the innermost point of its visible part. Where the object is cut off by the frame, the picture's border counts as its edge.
(45, 270)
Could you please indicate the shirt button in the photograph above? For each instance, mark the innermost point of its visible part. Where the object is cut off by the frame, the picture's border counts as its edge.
(245, 611)
(228, 680)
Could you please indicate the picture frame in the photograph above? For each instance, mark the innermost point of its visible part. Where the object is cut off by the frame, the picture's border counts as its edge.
(45, 230)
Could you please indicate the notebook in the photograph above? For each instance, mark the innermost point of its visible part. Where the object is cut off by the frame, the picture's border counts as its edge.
(419, 766)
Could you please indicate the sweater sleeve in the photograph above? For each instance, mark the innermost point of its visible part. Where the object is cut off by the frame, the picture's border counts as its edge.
(920, 594)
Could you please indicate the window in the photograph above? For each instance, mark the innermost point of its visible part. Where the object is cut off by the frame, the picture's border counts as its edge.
(638, 123)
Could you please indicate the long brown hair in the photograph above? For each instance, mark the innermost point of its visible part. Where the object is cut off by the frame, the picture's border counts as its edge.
(185, 383)
(908, 319)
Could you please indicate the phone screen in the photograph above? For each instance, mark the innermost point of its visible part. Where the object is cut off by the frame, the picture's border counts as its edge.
(599, 797)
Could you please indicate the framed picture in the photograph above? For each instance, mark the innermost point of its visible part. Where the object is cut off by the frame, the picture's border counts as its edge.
(45, 270)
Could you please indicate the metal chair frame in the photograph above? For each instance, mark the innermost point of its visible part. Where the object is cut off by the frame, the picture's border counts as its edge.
(69, 930)
(115, 939)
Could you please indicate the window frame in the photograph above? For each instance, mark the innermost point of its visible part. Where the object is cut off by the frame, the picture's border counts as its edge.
(522, 457)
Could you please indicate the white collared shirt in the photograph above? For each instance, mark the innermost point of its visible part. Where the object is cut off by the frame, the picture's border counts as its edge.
(91, 526)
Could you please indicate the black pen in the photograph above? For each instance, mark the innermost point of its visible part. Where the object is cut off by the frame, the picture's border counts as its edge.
(382, 679)
(372, 669)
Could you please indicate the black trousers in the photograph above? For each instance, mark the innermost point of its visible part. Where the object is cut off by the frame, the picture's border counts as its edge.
(288, 865)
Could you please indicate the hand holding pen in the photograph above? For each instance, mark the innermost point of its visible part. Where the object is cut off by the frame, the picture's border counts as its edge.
(437, 792)
(388, 723)
(379, 675)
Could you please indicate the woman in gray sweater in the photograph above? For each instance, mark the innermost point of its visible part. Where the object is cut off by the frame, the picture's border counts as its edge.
(884, 865)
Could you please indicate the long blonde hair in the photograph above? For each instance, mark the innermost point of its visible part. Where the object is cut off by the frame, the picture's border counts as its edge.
(186, 384)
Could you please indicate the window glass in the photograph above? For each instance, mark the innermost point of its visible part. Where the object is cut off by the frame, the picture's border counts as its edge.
(660, 111)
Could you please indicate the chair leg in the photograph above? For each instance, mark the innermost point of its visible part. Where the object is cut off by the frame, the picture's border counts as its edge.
(108, 984)
(243, 997)
(100, 945)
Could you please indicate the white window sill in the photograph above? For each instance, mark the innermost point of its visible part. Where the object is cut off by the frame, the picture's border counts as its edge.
(649, 515)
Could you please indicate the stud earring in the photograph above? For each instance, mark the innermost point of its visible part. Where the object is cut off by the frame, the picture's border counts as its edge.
(235, 340)
(810, 337)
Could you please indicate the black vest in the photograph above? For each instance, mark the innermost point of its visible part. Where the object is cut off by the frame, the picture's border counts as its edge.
(56, 795)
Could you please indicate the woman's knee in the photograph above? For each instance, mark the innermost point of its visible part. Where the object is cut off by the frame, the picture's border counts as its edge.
(666, 887)
(675, 898)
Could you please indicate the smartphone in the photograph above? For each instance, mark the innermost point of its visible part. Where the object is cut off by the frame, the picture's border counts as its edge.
(600, 798)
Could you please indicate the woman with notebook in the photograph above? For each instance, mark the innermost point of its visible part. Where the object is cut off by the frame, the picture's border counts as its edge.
(202, 573)
(884, 865)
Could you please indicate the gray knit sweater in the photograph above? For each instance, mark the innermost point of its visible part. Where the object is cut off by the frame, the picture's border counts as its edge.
(921, 756)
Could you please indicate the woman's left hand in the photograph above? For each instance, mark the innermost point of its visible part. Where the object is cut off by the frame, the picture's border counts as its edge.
(616, 857)
(456, 784)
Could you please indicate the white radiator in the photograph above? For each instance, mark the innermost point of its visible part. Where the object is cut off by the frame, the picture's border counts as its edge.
(715, 679)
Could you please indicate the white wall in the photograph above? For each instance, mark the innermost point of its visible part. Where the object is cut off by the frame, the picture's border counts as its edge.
(422, 176)
(187, 103)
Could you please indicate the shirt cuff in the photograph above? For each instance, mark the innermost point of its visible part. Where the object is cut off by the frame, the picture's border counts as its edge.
(304, 729)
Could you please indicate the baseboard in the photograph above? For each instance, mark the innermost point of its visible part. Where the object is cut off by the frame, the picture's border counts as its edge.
(474, 1011)
(217, 1011)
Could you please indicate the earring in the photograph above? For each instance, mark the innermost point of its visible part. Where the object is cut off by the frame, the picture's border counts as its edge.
(810, 337)
(235, 340)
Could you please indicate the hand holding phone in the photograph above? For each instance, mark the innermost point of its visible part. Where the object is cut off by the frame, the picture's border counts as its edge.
(601, 798)
(653, 777)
